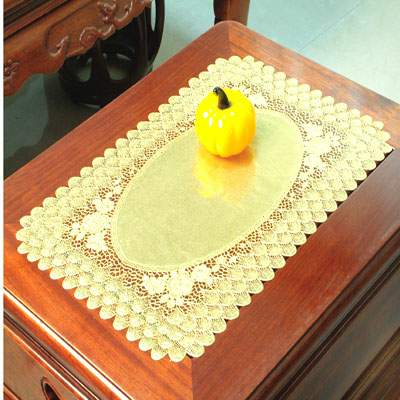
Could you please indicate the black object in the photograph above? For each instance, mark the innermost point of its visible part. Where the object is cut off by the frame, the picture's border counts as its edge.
(130, 52)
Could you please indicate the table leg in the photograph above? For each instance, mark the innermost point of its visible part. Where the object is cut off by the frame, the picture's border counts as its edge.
(237, 10)
(130, 51)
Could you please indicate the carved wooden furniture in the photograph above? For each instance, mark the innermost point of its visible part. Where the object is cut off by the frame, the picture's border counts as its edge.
(132, 50)
(327, 326)
(40, 35)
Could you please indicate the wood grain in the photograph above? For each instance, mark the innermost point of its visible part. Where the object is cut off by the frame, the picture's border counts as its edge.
(235, 10)
(64, 31)
(323, 268)
(8, 394)
(10, 5)
(355, 343)
(18, 14)
(313, 294)
(346, 349)
(380, 379)
(16, 19)
(22, 361)
(25, 351)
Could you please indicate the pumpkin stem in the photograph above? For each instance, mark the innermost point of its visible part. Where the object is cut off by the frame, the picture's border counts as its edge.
(223, 101)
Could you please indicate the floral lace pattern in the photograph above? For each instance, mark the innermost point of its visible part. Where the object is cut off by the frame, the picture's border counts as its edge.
(178, 312)
(92, 228)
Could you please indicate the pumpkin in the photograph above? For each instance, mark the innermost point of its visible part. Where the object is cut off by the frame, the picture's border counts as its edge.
(225, 122)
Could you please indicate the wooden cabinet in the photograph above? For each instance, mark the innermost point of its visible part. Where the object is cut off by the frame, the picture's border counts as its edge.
(29, 373)
(40, 35)
(325, 327)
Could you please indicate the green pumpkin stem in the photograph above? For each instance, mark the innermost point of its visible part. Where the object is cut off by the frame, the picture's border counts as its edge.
(223, 101)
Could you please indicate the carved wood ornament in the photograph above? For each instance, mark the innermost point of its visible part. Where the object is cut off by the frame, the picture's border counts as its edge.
(70, 29)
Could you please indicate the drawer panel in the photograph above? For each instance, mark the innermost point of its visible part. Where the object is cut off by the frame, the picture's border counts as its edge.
(29, 376)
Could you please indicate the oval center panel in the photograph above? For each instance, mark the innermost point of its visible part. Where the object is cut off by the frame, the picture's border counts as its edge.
(186, 205)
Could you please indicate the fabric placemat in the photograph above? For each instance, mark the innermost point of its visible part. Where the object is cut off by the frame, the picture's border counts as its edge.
(170, 241)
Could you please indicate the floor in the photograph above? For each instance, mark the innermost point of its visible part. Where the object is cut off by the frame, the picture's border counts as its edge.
(359, 39)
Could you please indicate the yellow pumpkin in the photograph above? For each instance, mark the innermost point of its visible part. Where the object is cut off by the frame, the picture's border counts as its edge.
(225, 122)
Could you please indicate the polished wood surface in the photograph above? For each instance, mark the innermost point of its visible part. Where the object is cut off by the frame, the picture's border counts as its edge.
(358, 340)
(291, 321)
(40, 45)
(20, 13)
(297, 316)
(12, 4)
(8, 394)
(380, 379)
(27, 374)
(24, 352)
(235, 10)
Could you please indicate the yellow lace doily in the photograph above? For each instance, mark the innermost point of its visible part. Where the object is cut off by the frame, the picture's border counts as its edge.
(169, 241)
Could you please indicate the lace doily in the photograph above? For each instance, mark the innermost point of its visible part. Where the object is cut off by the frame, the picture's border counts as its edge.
(175, 308)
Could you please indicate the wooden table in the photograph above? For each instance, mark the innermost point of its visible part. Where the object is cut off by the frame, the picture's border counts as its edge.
(314, 330)
(40, 34)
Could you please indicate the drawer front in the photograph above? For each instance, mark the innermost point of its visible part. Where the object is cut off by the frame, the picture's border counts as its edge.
(28, 376)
